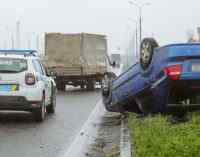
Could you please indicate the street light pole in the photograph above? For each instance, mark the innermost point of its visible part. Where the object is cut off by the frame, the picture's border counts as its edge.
(18, 42)
(37, 42)
(136, 36)
(140, 7)
(140, 12)
(12, 41)
(136, 43)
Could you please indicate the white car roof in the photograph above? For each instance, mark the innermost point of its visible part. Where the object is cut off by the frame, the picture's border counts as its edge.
(18, 53)
(17, 56)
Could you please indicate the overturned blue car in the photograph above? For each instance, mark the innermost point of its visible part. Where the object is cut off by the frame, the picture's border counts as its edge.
(164, 77)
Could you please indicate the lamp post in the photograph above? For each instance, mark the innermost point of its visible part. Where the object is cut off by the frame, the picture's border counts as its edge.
(140, 7)
(136, 35)
(18, 35)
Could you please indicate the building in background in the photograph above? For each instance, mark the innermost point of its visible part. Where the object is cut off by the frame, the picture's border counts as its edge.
(192, 37)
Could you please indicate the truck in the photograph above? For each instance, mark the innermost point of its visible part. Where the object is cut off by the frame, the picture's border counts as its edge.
(76, 59)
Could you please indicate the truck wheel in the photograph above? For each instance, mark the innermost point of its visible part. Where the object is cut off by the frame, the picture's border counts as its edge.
(82, 86)
(39, 113)
(61, 87)
(146, 52)
(90, 85)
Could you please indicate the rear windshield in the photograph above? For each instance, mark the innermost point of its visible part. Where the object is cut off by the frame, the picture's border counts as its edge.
(12, 65)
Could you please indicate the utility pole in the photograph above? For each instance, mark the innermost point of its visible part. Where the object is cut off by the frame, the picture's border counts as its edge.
(12, 41)
(140, 7)
(37, 42)
(136, 36)
(140, 12)
(136, 43)
(18, 34)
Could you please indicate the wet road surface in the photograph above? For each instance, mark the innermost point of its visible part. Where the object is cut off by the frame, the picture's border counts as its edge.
(20, 136)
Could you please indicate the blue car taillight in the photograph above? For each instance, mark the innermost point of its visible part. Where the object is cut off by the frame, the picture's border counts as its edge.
(173, 71)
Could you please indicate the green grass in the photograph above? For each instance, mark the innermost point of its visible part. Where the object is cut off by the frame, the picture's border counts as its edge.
(114, 152)
(156, 137)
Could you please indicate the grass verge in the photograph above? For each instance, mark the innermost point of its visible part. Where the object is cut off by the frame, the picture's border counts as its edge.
(114, 152)
(156, 137)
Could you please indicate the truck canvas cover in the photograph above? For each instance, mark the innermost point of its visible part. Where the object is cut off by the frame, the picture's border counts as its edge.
(76, 54)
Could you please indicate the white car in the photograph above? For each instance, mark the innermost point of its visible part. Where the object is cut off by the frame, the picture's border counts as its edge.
(24, 84)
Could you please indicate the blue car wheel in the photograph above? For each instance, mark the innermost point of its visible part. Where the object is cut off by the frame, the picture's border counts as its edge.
(146, 51)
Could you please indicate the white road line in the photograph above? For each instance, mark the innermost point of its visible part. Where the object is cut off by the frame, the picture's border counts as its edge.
(87, 135)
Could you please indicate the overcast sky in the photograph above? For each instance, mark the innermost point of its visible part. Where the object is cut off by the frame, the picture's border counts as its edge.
(167, 20)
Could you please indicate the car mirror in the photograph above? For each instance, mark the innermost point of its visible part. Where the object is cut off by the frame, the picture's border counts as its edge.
(114, 64)
(51, 74)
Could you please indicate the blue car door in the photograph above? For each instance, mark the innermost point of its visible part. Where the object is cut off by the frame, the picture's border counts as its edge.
(120, 87)
(128, 83)
(140, 83)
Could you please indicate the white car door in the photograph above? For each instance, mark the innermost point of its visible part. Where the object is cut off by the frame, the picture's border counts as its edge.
(48, 85)
(46, 80)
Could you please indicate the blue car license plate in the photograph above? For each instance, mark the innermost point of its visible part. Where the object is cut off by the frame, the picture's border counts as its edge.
(8, 88)
(196, 67)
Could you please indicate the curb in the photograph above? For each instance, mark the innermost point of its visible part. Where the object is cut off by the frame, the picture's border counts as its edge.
(125, 144)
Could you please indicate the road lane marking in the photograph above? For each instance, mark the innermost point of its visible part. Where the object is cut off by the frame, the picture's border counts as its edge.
(87, 135)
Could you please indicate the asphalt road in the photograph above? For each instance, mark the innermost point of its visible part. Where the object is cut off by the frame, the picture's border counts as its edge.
(20, 136)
